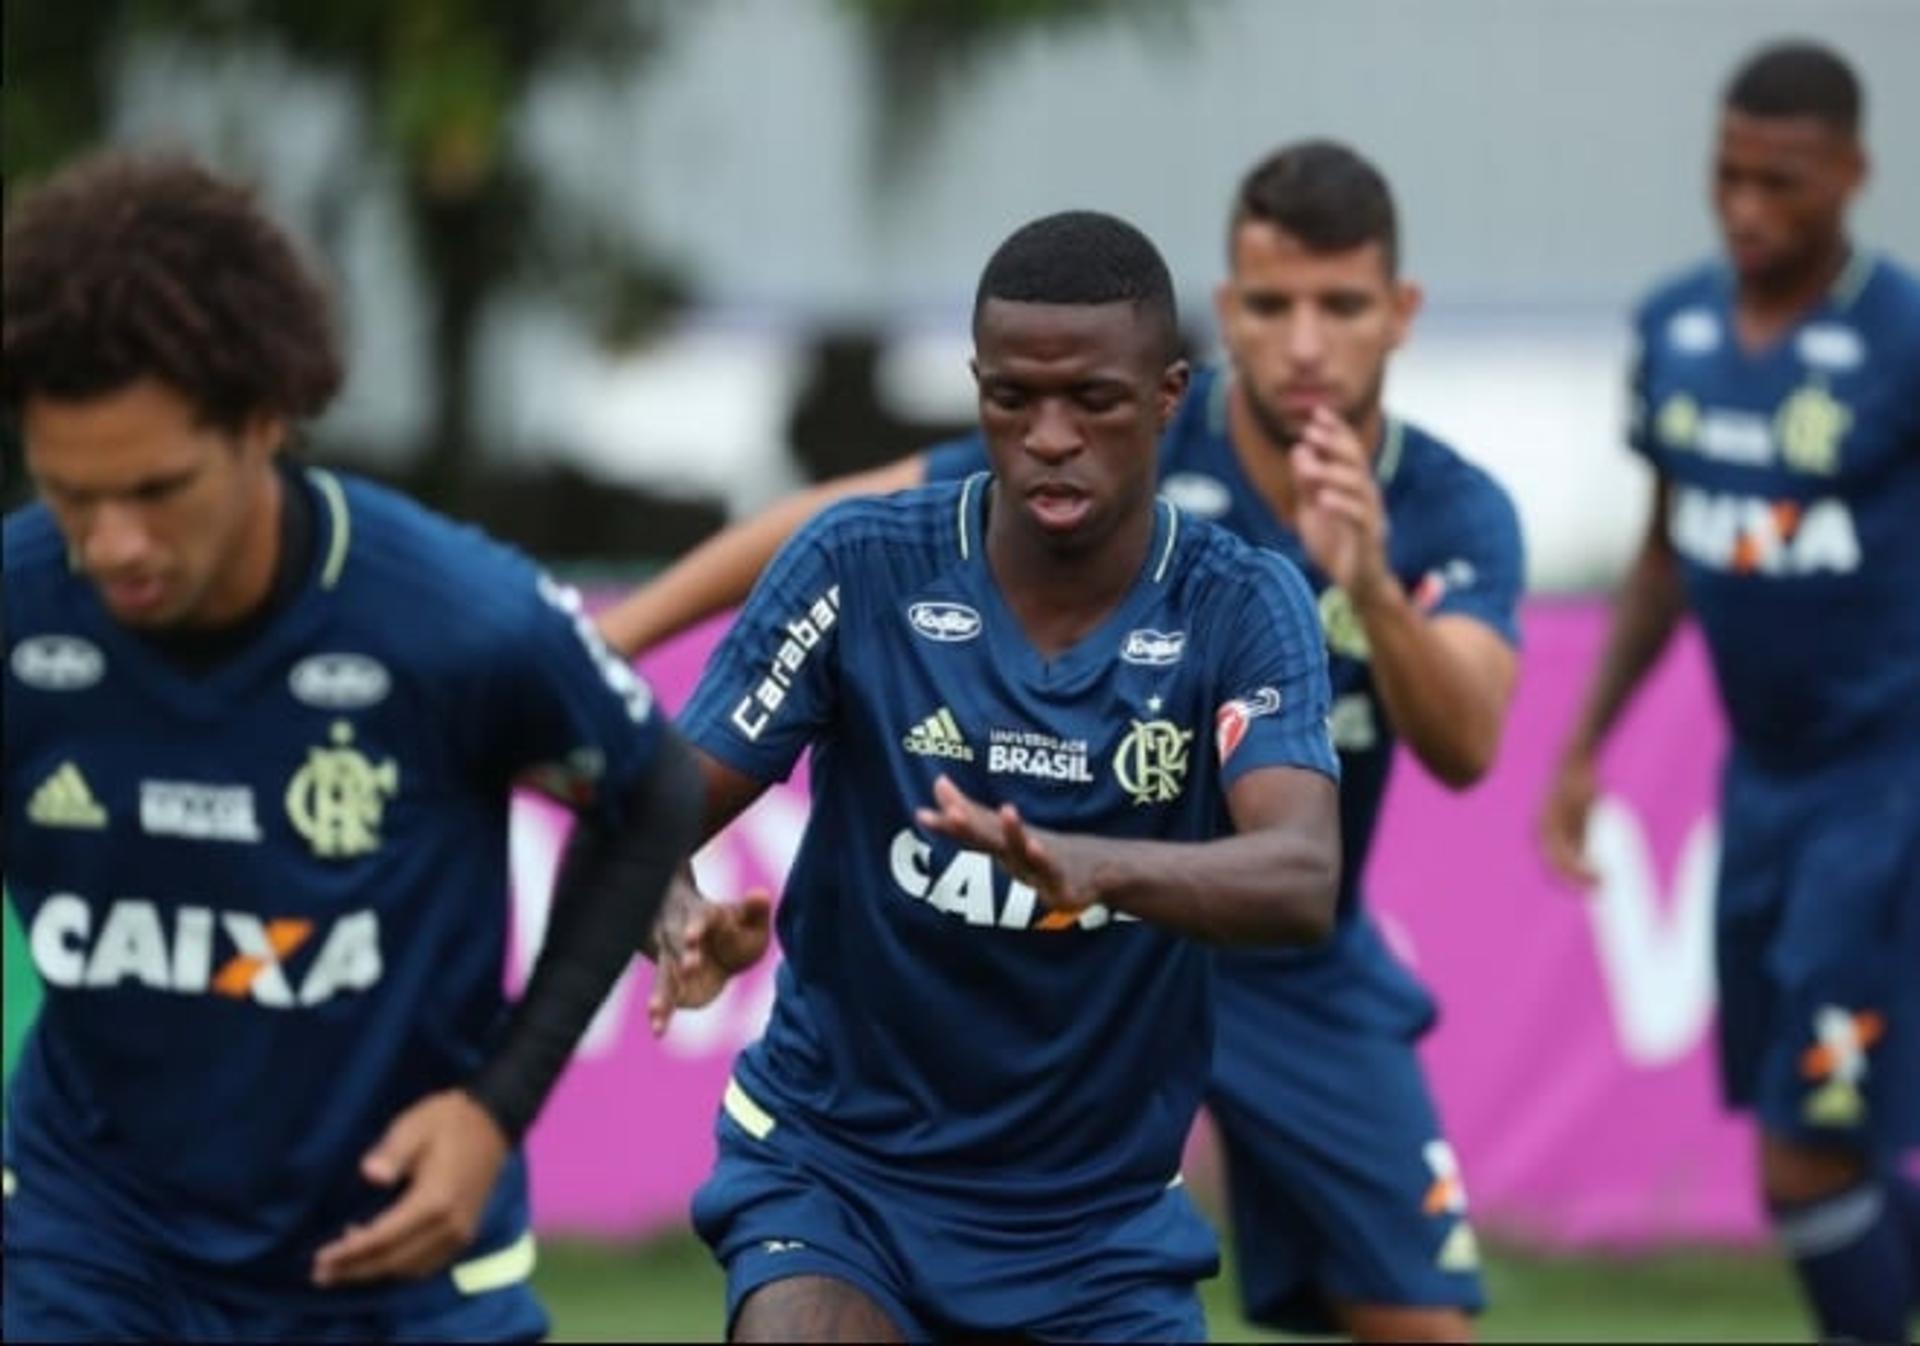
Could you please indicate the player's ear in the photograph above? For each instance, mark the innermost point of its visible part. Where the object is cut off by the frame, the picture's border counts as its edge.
(1173, 386)
(263, 435)
(1408, 298)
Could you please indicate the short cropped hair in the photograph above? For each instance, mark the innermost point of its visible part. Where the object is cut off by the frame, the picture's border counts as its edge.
(1323, 193)
(1083, 257)
(127, 266)
(1798, 79)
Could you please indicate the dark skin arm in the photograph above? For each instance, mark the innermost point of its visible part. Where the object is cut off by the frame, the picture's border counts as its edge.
(1648, 607)
(1275, 881)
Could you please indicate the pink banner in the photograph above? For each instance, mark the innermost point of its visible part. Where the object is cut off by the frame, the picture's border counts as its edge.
(1574, 1055)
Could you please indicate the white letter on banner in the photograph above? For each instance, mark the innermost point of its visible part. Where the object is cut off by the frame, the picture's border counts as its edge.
(1658, 967)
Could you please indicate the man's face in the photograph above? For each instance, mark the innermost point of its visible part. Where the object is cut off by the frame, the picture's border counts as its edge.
(1073, 398)
(1781, 186)
(156, 507)
(1306, 329)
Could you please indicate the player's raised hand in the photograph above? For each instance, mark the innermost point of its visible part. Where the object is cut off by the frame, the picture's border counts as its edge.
(1343, 520)
(448, 1151)
(699, 945)
(1563, 821)
(1057, 867)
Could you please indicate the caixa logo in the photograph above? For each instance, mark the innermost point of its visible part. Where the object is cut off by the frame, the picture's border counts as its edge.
(339, 681)
(280, 963)
(58, 663)
(947, 622)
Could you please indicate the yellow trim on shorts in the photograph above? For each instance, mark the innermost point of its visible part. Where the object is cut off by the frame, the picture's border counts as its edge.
(496, 1270)
(755, 1120)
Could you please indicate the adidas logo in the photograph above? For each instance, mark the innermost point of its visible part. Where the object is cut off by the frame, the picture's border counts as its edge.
(938, 736)
(63, 800)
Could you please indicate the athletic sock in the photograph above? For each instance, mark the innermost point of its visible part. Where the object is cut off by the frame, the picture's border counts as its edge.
(1851, 1252)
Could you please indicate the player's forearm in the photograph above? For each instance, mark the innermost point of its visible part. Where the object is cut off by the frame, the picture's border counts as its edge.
(713, 577)
(1646, 611)
(718, 574)
(611, 884)
(1274, 886)
(1438, 701)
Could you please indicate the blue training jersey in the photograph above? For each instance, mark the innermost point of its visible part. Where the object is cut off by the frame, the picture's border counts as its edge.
(268, 900)
(1793, 477)
(932, 1020)
(1454, 542)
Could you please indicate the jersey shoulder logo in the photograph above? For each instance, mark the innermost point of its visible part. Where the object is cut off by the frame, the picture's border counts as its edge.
(339, 681)
(58, 663)
(63, 800)
(337, 799)
(938, 736)
(1151, 761)
(1197, 494)
(1153, 649)
(1233, 719)
(947, 623)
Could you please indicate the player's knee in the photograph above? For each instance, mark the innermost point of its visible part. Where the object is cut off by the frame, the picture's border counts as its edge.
(1393, 1322)
(1794, 1172)
(811, 1308)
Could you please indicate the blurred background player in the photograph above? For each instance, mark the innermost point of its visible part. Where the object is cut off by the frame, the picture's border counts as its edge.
(261, 728)
(993, 1026)
(1348, 1204)
(1777, 397)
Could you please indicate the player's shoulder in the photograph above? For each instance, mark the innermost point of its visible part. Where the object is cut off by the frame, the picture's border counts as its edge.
(1887, 295)
(918, 528)
(1212, 569)
(401, 562)
(33, 546)
(1419, 464)
(1697, 283)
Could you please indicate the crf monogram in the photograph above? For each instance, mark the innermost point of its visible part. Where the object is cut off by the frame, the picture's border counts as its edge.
(1151, 762)
(336, 799)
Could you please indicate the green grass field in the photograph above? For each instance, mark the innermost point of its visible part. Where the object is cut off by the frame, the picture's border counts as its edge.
(669, 1290)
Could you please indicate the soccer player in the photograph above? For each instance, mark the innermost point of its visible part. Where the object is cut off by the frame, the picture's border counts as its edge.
(1348, 1204)
(262, 724)
(1777, 398)
(992, 1028)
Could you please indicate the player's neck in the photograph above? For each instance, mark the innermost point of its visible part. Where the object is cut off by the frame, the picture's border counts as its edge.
(1766, 308)
(248, 581)
(1059, 597)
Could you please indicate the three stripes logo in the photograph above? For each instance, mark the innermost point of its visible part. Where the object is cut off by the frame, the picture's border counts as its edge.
(938, 736)
(63, 800)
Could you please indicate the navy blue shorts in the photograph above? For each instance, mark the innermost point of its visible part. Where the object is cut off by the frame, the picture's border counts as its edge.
(69, 1284)
(1341, 1182)
(938, 1266)
(1818, 952)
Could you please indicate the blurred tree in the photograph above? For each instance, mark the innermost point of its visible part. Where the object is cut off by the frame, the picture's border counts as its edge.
(440, 81)
(920, 49)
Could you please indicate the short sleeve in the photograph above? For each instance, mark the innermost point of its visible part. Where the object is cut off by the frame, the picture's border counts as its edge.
(957, 458)
(1275, 700)
(1478, 568)
(580, 724)
(771, 686)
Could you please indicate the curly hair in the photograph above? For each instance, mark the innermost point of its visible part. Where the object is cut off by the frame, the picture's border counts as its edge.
(125, 266)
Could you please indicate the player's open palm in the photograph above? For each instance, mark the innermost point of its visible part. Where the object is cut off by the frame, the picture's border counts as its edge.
(447, 1151)
(1058, 868)
(1343, 520)
(699, 945)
